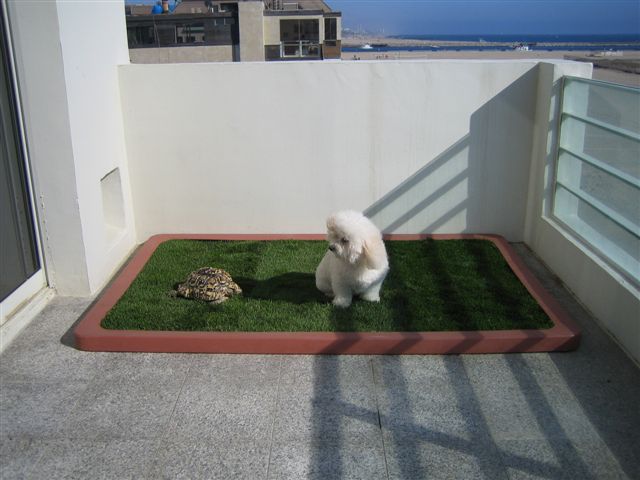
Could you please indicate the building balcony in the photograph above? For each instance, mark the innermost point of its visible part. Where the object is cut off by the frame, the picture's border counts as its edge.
(119, 152)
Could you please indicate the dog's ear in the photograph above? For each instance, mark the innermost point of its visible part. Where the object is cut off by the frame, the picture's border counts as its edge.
(374, 253)
(355, 251)
(331, 222)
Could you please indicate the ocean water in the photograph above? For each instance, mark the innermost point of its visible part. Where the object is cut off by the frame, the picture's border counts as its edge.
(524, 38)
(534, 42)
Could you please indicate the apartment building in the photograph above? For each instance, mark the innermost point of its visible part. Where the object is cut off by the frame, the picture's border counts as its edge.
(243, 30)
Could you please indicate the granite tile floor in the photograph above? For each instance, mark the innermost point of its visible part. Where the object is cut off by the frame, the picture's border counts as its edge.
(71, 414)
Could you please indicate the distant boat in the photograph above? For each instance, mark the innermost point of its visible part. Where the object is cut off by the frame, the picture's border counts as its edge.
(366, 46)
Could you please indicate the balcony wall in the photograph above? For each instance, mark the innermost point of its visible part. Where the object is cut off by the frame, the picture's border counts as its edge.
(421, 146)
(424, 146)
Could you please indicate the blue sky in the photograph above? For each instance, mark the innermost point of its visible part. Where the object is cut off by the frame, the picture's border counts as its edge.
(490, 16)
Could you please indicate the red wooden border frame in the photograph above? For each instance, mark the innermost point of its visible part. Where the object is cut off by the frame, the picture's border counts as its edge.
(89, 334)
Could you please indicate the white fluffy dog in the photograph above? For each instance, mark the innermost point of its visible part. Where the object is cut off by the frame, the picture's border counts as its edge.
(356, 263)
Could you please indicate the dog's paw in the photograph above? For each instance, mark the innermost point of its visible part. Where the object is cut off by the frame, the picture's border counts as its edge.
(341, 302)
(370, 297)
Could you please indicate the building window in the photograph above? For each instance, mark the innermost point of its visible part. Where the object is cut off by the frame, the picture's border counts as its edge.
(166, 34)
(299, 38)
(299, 30)
(330, 29)
(170, 32)
(597, 184)
(228, 7)
(141, 35)
(190, 33)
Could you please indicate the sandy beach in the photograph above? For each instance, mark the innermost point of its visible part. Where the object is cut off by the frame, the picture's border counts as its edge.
(622, 68)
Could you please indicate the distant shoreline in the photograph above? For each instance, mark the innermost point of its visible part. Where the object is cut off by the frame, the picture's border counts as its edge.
(359, 40)
(621, 67)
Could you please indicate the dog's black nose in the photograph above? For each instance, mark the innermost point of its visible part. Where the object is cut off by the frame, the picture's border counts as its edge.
(332, 248)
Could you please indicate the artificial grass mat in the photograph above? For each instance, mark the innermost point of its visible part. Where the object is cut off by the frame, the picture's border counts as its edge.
(432, 285)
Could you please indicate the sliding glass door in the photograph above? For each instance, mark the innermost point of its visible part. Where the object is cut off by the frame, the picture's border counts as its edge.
(19, 257)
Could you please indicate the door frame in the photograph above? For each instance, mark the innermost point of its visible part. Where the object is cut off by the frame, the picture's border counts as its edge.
(37, 281)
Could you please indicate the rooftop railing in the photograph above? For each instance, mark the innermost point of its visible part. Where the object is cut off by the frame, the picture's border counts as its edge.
(597, 184)
(300, 49)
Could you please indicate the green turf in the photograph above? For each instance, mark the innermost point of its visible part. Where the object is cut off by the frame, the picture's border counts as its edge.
(442, 285)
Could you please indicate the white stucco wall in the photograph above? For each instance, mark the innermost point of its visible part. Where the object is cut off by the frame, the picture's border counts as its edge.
(67, 57)
(49, 142)
(433, 146)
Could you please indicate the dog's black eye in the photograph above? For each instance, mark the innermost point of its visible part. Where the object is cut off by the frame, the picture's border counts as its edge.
(344, 240)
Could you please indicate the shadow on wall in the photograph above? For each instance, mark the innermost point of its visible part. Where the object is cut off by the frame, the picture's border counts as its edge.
(477, 185)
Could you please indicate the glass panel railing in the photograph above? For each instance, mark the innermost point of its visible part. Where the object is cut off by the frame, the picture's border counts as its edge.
(612, 104)
(597, 188)
(300, 49)
(603, 234)
(617, 150)
(599, 185)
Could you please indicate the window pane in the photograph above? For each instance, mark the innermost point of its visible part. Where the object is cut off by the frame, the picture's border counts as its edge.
(141, 36)
(597, 191)
(289, 30)
(618, 244)
(296, 30)
(166, 35)
(600, 186)
(310, 30)
(291, 50)
(615, 105)
(330, 29)
(618, 151)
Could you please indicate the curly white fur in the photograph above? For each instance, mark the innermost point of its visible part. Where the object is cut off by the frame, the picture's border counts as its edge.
(356, 263)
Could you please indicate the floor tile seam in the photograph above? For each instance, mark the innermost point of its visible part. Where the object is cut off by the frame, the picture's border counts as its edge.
(78, 439)
(166, 428)
(157, 462)
(276, 409)
(365, 440)
(464, 439)
(215, 441)
(484, 432)
(32, 470)
(112, 438)
(377, 403)
(37, 381)
(547, 418)
(156, 467)
(234, 386)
